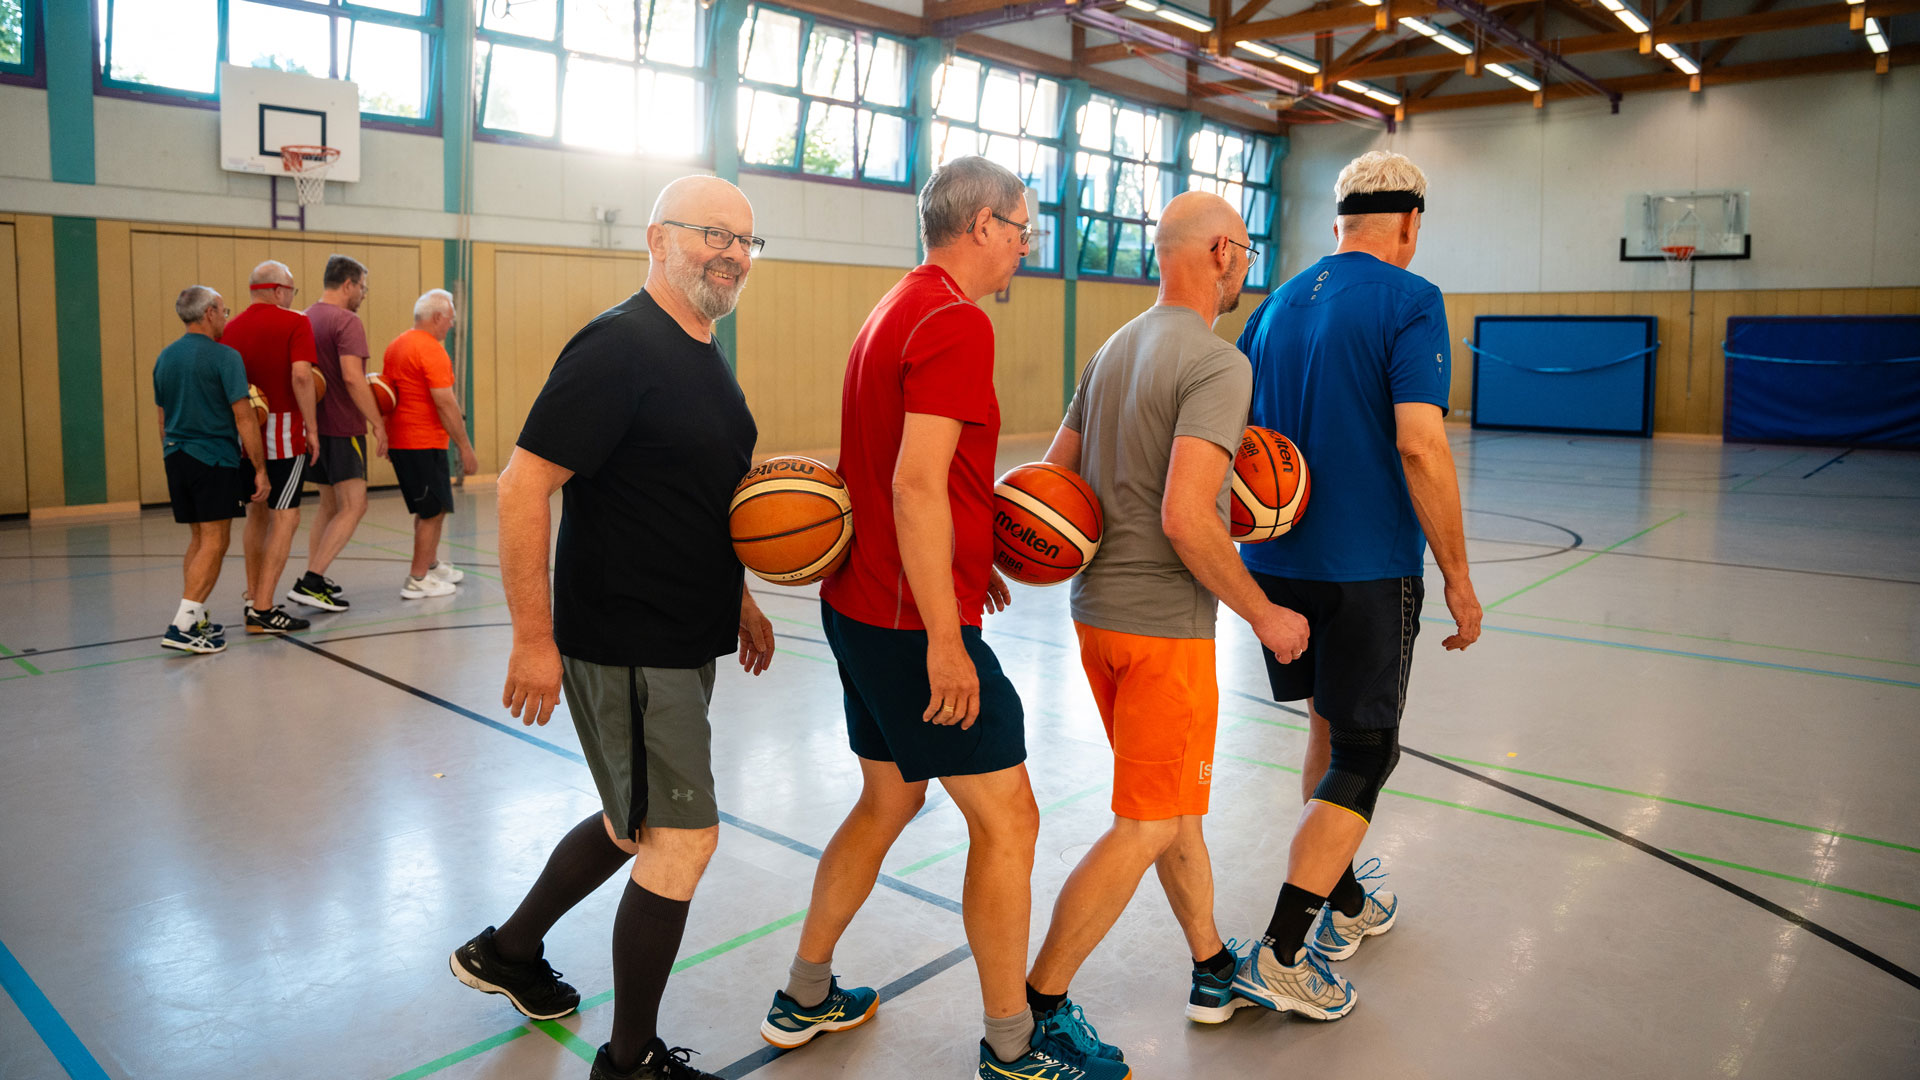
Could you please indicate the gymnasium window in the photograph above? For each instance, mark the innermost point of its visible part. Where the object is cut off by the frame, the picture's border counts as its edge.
(175, 46)
(1128, 170)
(1012, 117)
(823, 100)
(624, 76)
(16, 37)
(1239, 168)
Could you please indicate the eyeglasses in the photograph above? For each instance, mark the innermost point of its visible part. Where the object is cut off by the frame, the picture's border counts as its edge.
(721, 239)
(1253, 253)
(1026, 230)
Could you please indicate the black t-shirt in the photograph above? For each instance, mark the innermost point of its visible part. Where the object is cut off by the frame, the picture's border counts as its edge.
(657, 434)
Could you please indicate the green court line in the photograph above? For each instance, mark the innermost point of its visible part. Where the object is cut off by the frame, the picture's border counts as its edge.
(458, 1056)
(940, 856)
(1714, 657)
(1769, 472)
(581, 1048)
(18, 659)
(1689, 804)
(1797, 880)
(1585, 561)
(1709, 637)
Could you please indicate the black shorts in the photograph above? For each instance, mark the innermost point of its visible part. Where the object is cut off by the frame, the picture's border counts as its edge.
(203, 492)
(284, 477)
(1359, 647)
(884, 675)
(426, 481)
(342, 457)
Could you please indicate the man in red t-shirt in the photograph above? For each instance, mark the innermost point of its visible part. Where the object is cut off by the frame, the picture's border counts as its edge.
(277, 345)
(925, 697)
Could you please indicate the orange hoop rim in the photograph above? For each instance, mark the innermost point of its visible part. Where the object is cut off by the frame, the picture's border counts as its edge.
(1682, 252)
(298, 159)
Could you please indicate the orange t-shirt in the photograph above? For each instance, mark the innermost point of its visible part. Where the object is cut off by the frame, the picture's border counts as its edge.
(415, 365)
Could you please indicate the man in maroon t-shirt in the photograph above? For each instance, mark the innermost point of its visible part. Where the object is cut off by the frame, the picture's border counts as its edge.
(925, 696)
(277, 344)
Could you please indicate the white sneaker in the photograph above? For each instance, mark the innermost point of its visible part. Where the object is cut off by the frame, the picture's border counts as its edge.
(1336, 936)
(447, 572)
(419, 588)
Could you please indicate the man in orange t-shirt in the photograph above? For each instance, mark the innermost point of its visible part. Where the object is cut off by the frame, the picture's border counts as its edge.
(425, 411)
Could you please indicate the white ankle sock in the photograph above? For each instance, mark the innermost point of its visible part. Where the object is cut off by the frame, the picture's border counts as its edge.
(188, 616)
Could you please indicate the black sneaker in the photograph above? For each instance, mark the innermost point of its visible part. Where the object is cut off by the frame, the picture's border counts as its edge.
(657, 1063)
(316, 596)
(333, 586)
(533, 987)
(276, 621)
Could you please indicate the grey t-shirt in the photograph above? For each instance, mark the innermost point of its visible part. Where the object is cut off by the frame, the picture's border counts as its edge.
(1162, 375)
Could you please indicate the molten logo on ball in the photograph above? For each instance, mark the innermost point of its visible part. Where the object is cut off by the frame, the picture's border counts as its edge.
(1046, 524)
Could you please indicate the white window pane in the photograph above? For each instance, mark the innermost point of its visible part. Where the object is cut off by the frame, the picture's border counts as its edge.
(1004, 150)
(671, 29)
(1040, 168)
(598, 109)
(1043, 254)
(528, 18)
(1163, 138)
(1129, 252)
(1130, 133)
(1130, 194)
(956, 90)
(272, 37)
(828, 71)
(1096, 125)
(1040, 107)
(601, 27)
(1096, 182)
(520, 91)
(673, 114)
(404, 7)
(1206, 152)
(482, 50)
(883, 67)
(883, 146)
(773, 51)
(1259, 171)
(1000, 102)
(1230, 164)
(768, 125)
(388, 63)
(1233, 193)
(12, 23)
(953, 142)
(829, 149)
(168, 43)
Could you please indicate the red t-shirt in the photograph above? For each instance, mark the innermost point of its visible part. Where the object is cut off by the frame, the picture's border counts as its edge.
(271, 339)
(925, 349)
(415, 365)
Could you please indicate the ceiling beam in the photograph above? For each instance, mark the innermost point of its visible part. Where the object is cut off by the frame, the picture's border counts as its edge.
(1247, 11)
(1725, 46)
(1491, 26)
(862, 14)
(1058, 67)
(1343, 17)
(1670, 12)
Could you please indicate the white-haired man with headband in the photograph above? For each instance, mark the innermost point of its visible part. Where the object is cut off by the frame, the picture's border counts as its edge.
(1350, 361)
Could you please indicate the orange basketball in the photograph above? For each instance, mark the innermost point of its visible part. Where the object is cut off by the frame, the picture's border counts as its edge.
(259, 405)
(1269, 486)
(791, 520)
(1046, 523)
(383, 397)
(319, 385)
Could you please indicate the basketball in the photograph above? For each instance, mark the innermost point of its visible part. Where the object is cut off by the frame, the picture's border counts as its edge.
(383, 397)
(319, 386)
(1046, 523)
(1269, 486)
(791, 520)
(259, 405)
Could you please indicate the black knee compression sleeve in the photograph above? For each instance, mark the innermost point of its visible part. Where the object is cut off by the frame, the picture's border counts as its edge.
(1358, 768)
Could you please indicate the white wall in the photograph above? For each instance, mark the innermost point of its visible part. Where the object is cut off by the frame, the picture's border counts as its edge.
(1526, 200)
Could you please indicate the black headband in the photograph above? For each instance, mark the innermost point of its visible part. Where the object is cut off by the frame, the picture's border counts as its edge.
(1382, 202)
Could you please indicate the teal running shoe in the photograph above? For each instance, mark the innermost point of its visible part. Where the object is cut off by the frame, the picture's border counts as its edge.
(790, 1024)
(1065, 1033)
(1214, 999)
(1038, 1064)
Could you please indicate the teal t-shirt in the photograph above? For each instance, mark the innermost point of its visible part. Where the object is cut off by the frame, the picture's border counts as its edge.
(196, 382)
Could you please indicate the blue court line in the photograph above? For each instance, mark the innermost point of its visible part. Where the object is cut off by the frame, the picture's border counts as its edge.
(1693, 655)
(68, 1050)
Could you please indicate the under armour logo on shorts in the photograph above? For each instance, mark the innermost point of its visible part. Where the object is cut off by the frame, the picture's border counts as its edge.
(682, 795)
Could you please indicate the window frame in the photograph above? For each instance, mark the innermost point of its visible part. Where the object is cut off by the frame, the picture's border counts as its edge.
(795, 168)
(29, 71)
(430, 25)
(701, 73)
(1263, 240)
(1053, 206)
(1149, 264)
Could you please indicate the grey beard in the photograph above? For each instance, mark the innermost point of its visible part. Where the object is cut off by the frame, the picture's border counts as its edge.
(690, 278)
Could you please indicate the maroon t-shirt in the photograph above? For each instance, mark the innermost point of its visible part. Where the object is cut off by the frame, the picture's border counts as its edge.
(337, 330)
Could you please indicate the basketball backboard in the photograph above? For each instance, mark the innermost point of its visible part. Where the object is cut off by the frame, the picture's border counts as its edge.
(262, 110)
(1711, 224)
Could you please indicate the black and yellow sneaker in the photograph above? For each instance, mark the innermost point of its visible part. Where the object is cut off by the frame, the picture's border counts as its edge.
(313, 592)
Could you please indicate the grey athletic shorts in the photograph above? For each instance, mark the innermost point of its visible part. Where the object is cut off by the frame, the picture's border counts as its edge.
(645, 736)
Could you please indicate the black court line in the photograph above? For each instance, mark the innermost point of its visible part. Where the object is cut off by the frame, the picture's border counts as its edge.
(413, 630)
(1835, 460)
(888, 992)
(1816, 929)
(95, 645)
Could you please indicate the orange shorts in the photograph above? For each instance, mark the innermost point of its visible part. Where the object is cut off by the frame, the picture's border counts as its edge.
(1160, 702)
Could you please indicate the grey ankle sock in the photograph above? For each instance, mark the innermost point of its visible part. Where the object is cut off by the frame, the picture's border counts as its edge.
(808, 983)
(1009, 1036)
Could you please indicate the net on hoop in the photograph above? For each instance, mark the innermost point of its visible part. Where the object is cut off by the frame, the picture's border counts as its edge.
(1678, 252)
(309, 165)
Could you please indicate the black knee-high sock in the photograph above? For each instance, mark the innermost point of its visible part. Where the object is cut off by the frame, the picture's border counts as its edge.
(1293, 915)
(583, 860)
(646, 935)
(1347, 896)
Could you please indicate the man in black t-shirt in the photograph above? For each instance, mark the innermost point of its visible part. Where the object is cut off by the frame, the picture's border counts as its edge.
(643, 429)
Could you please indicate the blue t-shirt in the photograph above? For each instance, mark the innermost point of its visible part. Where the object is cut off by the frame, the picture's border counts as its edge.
(1333, 351)
(196, 382)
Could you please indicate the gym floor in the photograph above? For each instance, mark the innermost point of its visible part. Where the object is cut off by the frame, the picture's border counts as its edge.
(1662, 821)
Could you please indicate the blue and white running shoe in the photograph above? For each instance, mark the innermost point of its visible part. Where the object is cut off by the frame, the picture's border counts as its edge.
(1307, 986)
(1336, 936)
(790, 1024)
(1040, 1064)
(1065, 1033)
(1214, 999)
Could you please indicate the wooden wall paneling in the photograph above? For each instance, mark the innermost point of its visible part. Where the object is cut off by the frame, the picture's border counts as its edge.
(483, 324)
(39, 360)
(119, 371)
(13, 433)
(154, 327)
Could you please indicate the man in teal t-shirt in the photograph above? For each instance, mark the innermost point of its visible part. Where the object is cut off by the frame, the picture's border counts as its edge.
(206, 413)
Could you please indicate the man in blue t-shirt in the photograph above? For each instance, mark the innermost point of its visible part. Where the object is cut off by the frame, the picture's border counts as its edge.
(206, 413)
(1350, 361)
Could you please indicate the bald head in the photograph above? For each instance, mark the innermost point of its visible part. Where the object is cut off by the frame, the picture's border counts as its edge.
(1194, 222)
(696, 199)
(1201, 248)
(271, 273)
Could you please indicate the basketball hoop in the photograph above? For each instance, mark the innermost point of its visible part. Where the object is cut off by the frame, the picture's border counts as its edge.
(309, 165)
(1679, 252)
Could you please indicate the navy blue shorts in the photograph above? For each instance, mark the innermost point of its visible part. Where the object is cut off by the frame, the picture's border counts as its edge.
(884, 674)
(1359, 647)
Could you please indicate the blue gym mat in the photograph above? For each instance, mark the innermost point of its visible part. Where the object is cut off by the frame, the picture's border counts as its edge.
(1585, 374)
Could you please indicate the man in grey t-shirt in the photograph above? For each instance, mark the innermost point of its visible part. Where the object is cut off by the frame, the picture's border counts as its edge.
(1153, 428)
